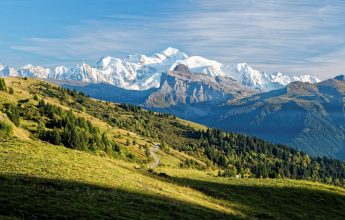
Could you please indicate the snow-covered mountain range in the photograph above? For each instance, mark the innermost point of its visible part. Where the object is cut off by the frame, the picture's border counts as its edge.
(141, 72)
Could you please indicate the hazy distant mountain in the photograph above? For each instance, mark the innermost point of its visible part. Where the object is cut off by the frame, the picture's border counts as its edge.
(107, 92)
(252, 78)
(304, 115)
(141, 72)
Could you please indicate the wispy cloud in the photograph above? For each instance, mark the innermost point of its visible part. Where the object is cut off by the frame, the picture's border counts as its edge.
(272, 34)
(290, 36)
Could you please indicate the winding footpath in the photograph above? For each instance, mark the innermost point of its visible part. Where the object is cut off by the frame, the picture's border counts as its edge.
(157, 161)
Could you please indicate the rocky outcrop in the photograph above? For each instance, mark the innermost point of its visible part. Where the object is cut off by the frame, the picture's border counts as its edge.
(180, 86)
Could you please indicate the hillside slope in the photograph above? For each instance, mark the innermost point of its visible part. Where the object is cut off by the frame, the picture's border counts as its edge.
(35, 106)
(39, 180)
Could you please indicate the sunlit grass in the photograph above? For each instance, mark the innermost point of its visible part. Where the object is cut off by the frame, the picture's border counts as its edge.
(233, 197)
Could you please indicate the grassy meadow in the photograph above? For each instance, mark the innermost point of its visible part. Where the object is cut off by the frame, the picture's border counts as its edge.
(39, 180)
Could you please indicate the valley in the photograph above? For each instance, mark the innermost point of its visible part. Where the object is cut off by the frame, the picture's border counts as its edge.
(294, 115)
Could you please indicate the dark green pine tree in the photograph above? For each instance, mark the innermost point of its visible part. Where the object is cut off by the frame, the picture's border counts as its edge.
(264, 171)
(56, 137)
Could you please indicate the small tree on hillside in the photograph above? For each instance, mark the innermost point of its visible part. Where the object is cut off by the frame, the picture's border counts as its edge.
(41, 131)
(147, 150)
(56, 137)
(2, 85)
(36, 97)
(13, 114)
(10, 90)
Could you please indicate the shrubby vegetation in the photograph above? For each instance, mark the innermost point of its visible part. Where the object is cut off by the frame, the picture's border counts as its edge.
(13, 113)
(190, 163)
(5, 129)
(3, 86)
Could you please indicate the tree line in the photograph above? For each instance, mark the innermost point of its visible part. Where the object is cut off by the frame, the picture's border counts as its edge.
(251, 156)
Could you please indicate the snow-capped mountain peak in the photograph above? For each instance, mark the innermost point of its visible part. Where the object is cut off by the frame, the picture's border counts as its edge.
(249, 77)
(34, 71)
(60, 70)
(198, 64)
(263, 81)
(105, 61)
(8, 71)
(171, 53)
(142, 72)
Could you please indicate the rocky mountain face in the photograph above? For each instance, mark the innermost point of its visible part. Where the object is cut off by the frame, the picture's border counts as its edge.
(142, 72)
(180, 86)
(304, 115)
(193, 95)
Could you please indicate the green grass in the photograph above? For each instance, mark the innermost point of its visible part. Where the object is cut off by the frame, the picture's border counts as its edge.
(39, 180)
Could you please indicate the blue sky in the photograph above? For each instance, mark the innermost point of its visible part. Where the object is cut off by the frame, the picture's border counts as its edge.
(290, 36)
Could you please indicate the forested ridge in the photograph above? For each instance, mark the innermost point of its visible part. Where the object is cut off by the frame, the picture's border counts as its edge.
(251, 156)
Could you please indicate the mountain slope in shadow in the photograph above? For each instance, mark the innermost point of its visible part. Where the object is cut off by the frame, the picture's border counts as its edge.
(307, 116)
